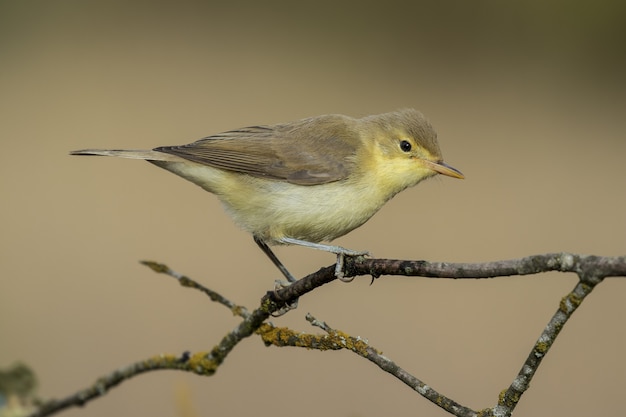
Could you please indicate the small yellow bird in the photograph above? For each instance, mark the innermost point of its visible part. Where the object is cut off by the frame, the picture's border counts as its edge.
(308, 181)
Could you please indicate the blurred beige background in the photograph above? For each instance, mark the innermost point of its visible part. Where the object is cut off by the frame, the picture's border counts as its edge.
(529, 102)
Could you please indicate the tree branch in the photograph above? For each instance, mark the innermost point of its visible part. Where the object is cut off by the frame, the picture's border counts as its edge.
(201, 363)
(586, 266)
(591, 270)
(337, 340)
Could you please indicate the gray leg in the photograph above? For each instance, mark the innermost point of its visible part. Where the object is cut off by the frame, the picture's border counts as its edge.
(338, 250)
(266, 249)
(279, 283)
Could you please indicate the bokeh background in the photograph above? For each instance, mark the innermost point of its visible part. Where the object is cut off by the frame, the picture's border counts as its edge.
(528, 98)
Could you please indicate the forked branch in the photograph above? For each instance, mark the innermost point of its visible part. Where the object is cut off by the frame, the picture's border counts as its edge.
(591, 270)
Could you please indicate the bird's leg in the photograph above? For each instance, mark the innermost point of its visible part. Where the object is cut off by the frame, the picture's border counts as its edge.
(278, 284)
(338, 250)
(266, 249)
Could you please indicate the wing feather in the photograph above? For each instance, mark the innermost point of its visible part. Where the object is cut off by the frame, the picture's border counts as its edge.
(307, 152)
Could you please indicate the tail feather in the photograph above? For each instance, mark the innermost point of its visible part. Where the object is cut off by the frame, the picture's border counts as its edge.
(147, 155)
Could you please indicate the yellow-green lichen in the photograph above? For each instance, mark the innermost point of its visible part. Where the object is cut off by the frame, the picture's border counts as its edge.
(201, 364)
(335, 340)
(542, 347)
(569, 302)
(501, 396)
(164, 359)
(508, 398)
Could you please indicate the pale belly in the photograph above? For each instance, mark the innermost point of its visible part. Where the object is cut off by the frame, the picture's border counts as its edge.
(313, 213)
(273, 209)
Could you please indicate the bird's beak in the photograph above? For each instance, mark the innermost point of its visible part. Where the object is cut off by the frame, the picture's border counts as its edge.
(444, 169)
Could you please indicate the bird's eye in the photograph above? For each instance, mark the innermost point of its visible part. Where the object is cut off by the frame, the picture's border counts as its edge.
(405, 145)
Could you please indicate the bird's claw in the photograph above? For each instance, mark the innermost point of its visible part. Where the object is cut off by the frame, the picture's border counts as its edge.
(341, 257)
(280, 284)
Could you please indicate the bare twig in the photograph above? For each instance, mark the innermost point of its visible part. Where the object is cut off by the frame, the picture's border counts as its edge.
(510, 397)
(600, 266)
(337, 340)
(590, 269)
(201, 363)
(185, 281)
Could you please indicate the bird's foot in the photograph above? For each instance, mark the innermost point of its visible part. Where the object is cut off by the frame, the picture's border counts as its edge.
(337, 250)
(280, 284)
(341, 258)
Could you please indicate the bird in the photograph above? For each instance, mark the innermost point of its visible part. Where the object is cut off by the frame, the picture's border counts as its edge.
(309, 181)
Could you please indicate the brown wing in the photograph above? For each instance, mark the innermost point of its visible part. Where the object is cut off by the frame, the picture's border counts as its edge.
(307, 152)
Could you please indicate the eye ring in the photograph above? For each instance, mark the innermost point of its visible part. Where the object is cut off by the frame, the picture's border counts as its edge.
(405, 145)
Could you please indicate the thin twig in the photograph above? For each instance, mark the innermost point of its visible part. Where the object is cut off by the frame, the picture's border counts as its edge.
(201, 363)
(602, 266)
(185, 281)
(336, 340)
(590, 269)
(569, 304)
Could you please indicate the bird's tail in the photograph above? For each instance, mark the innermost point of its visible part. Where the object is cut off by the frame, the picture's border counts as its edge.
(147, 155)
